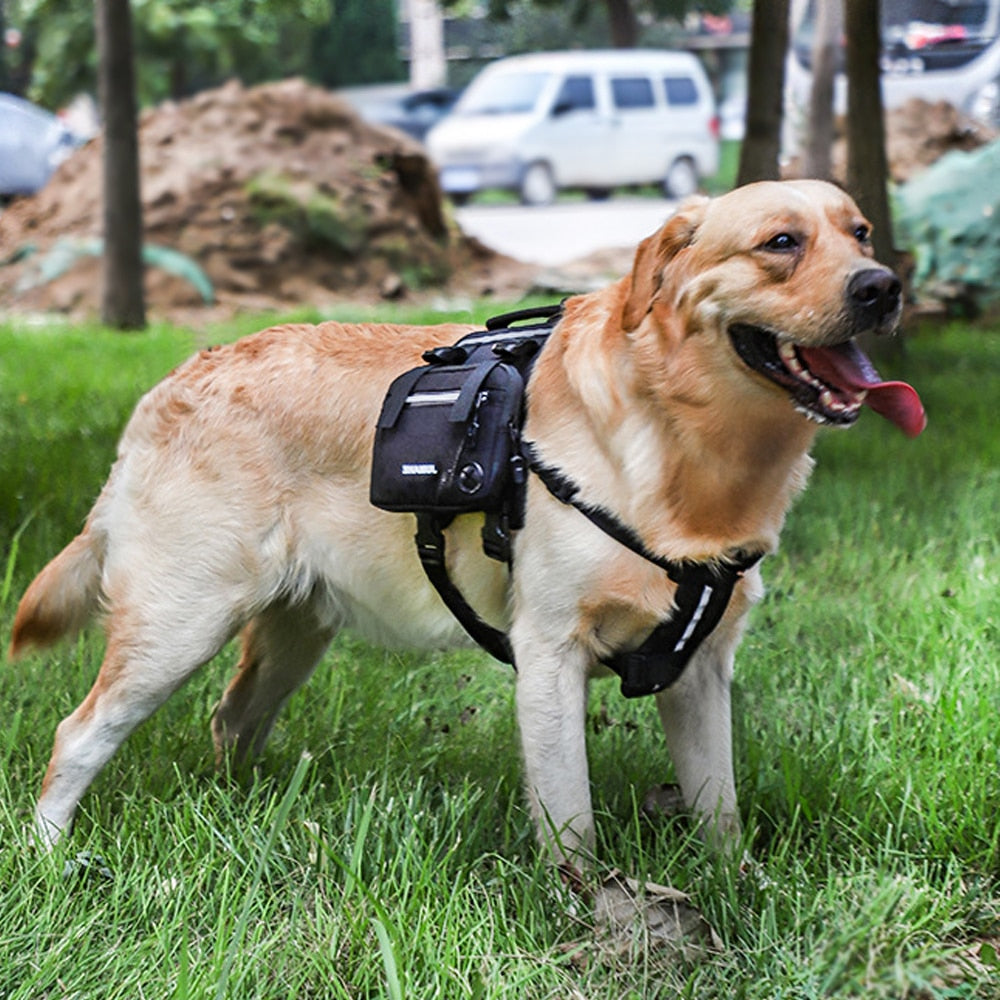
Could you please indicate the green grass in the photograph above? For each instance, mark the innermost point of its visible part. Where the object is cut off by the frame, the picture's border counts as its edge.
(397, 858)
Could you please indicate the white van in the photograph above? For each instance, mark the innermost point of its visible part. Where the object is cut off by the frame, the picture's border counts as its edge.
(586, 119)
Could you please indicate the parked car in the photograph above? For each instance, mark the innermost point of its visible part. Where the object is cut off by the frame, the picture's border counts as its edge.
(413, 111)
(594, 120)
(33, 142)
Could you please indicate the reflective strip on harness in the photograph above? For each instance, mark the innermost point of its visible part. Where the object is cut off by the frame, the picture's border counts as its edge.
(706, 596)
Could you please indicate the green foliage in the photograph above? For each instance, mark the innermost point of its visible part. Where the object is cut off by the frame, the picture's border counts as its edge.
(398, 858)
(60, 36)
(583, 11)
(316, 218)
(185, 45)
(357, 45)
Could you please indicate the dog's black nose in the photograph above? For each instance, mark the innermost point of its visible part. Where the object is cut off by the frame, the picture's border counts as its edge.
(874, 296)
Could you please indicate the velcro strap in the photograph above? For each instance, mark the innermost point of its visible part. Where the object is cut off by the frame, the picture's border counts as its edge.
(396, 400)
(469, 393)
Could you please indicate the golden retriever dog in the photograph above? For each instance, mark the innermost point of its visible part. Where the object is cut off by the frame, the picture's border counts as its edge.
(683, 399)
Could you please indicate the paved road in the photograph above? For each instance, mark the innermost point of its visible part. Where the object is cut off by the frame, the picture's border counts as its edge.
(562, 232)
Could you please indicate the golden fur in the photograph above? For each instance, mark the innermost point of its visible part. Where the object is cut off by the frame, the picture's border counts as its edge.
(239, 501)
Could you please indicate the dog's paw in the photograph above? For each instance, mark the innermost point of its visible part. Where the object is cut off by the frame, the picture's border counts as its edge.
(631, 917)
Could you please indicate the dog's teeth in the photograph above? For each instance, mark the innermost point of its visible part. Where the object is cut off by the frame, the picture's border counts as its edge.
(831, 402)
(812, 415)
(786, 352)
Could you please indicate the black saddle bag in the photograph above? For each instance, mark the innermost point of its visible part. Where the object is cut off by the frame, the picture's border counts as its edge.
(447, 439)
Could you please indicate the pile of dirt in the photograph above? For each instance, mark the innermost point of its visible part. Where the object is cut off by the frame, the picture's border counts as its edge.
(278, 195)
(917, 134)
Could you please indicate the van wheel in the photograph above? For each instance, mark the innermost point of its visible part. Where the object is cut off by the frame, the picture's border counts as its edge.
(538, 186)
(598, 194)
(682, 179)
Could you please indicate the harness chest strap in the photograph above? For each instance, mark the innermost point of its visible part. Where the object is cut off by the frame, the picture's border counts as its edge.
(702, 595)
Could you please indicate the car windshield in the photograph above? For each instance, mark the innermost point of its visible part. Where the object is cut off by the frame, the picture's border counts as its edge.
(918, 23)
(919, 35)
(502, 94)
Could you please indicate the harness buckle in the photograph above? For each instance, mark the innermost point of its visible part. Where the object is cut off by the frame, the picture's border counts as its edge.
(496, 537)
(430, 540)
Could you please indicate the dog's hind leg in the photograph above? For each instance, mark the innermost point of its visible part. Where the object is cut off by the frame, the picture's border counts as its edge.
(281, 647)
(697, 722)
(146, 660)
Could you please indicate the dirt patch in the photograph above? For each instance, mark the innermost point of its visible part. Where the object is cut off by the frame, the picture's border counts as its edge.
(278, 195)
(918, 133)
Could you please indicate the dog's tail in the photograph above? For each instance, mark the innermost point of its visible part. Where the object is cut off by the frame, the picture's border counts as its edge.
(62, 598)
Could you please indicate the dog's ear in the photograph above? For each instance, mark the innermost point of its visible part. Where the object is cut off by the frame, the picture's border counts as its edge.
(653, 255)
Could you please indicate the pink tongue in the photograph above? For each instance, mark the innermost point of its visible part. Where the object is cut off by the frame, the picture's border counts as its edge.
(847, 367)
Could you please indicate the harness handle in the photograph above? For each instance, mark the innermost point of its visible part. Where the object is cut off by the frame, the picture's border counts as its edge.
(504, 320)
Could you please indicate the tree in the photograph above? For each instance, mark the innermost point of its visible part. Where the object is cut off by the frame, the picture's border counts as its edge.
(829, 22)
(622, 15)
(867, 164)
(759, 154)
(185, 45)
(357, 44)
(122, 303)
(623, 23)
(4, 76)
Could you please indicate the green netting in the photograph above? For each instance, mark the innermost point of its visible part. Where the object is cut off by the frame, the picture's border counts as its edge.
(948, 217)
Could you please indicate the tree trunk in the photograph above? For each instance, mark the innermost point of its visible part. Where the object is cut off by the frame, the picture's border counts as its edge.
(4, 76)
(122, 303)
(765, 92)
(867, 165)
(623, 23)
(428, 65)
(829, 27)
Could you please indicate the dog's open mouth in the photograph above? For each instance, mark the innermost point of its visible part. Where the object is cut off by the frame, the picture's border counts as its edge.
(828, 384)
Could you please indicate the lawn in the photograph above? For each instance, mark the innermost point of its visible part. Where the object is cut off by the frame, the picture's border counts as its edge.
(383, 849)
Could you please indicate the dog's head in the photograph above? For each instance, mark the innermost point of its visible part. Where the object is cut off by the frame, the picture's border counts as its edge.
(770, 285)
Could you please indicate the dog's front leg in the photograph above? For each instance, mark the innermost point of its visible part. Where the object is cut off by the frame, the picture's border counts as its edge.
(697, 722)
(551, 713)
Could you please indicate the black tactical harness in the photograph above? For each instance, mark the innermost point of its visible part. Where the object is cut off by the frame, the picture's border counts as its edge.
(449, 442)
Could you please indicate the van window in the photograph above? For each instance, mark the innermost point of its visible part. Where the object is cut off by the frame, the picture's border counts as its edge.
(632, 92)
(502, 93)
(576, 94)
(680, 90)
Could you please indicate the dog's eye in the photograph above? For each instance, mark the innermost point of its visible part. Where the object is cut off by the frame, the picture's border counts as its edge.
(862, 233)
(782, 243)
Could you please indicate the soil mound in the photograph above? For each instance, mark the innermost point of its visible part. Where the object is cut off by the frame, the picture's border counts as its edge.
(917, 134)
(259, 198)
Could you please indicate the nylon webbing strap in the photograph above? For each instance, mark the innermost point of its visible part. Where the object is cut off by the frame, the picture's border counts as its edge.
(430, 548)
(661, 659)
(700, 601)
